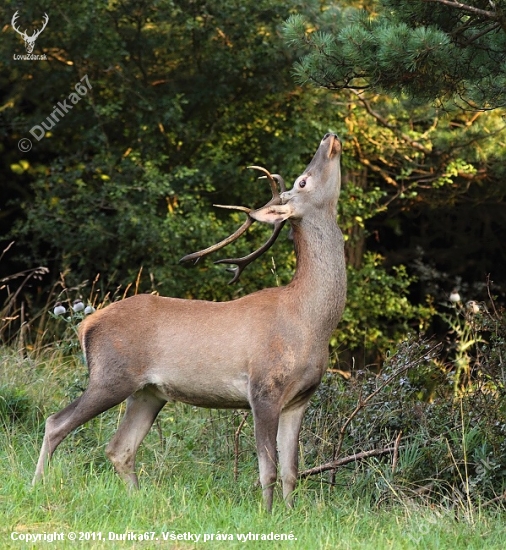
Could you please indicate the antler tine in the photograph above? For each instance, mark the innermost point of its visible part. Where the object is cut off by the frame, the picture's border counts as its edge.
(241, 263)
(273, 180)
(229, 207)
(195, 256)
(279, 179)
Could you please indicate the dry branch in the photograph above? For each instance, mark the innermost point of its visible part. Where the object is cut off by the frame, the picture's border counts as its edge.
(345, 460)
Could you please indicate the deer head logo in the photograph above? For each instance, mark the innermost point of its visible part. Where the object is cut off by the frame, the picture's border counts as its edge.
(29, 40)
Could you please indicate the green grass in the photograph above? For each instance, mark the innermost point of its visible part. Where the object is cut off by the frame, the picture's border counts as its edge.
(187, 485)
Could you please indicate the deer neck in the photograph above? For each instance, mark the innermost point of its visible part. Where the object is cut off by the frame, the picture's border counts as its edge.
(319, 283)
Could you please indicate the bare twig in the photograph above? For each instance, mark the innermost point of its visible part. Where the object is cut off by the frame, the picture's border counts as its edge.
(489, 292)
(363, 402)
(6, 249)
(345, 460)
(496, 499)
(396, 451)
(374, 168)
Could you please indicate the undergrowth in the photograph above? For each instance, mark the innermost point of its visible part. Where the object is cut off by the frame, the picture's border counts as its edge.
(189, 484)
(430, 427)
(425, 436)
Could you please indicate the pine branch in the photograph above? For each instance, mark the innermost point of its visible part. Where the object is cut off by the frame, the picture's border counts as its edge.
(493, 15)
(485, 31)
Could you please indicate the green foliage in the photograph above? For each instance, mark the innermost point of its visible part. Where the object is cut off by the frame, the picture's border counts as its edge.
(436, 186)
(357, 205)
(427, 50)
(378, 311)
(183, 97)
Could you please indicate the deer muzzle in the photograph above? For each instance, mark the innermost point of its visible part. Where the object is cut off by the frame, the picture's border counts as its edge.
(334, 144)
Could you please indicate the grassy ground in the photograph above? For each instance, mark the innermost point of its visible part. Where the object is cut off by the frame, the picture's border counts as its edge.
(187, 486)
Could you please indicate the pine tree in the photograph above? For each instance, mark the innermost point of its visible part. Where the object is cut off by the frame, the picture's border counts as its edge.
(429, 50)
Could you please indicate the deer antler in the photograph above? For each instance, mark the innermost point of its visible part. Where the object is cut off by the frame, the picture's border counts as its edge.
(273, 180)
(241, 263)
(195, 256)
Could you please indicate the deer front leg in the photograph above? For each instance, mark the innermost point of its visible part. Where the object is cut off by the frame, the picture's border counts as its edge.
(288, 446)
(266, 418)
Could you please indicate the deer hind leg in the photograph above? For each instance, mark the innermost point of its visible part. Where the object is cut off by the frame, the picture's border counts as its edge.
(141, 410)
(288, 446)
(266, 418)
(95, 400)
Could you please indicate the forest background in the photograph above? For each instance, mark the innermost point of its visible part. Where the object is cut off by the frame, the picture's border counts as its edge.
(168, 102)
(183, 96)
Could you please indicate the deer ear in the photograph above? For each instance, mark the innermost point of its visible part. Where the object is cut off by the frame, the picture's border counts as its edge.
(272, 214)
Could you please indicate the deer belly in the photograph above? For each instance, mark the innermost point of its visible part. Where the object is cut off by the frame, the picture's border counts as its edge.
(205, 391)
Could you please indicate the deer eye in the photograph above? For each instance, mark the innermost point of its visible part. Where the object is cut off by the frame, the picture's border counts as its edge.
(302, 183)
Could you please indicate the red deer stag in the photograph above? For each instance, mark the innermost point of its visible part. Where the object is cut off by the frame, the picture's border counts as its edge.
(266, 351)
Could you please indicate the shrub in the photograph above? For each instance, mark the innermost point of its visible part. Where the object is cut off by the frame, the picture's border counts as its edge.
(434, 417)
